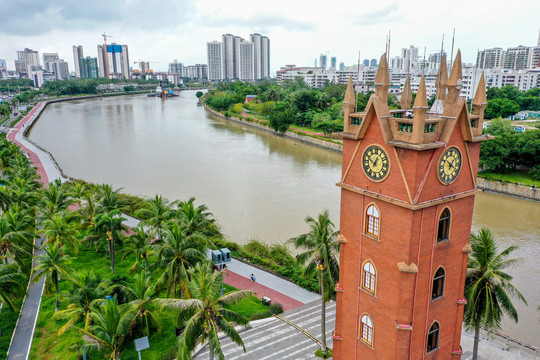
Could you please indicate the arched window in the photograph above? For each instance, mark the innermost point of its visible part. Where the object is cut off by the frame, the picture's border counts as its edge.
(366, 329)
(369, 277)
(372, 221)
(433, 337)
(438, 284)
(444, 226)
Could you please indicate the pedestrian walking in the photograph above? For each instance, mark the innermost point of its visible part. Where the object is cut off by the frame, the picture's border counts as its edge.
(252, 277)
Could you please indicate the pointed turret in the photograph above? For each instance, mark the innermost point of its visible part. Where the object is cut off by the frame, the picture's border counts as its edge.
(480, 96)
(406, 95)
(382, 80)
(442, 79)
(420, 110)
(479, 106)
(349, 103)
(455, 80)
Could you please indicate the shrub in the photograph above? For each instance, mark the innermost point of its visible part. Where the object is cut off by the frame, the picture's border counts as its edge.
(276, 308)
(261, 315)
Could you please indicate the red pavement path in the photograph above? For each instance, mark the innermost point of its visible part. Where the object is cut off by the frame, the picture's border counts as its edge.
(241, 282)
(33, 157)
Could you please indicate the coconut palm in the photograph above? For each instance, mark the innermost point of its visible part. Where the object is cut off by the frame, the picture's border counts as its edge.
(488, 288)
(89, 290)
(55, 199)
(12, 285)
(203, 315)
(52, 263)
(14, 244)
(175, 255)
(321, 251)
(110, 225)
(59, 229)
(156, 213)
(111, 327)
(23, 192)
(196, 218)
(141, 294)
(138, 244)
(110, 199)
(78, 191)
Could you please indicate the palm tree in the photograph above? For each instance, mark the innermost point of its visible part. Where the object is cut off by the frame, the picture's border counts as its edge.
(110, 199)
(55, 199)
(321, 254)
(110, 329)
(196, 219)
(52, 263)
(12, 285)
(157, 213)
(78, 191)
(487, 287)
(58, 229)
(14, 244)
(178, 252)
(204, 314)
(138, 245)
(89, 290)
(141, 293)
(111, 225)
(88, 213)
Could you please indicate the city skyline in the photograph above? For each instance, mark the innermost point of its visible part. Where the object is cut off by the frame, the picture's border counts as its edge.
(298, 35)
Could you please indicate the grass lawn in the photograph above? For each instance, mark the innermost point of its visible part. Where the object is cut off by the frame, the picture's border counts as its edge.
(8, 319)
(516, 176)
(47, 345)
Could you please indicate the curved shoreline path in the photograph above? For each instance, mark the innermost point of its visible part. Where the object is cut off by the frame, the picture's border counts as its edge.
(21, 340)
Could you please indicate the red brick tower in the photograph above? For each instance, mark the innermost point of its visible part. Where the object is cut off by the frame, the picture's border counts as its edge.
(408, 185)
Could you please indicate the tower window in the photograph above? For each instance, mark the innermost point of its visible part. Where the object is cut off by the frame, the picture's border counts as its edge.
(372, 224)
(433, 337)
(369, 278)
(366, 329)
(444, 226)
(438, 284)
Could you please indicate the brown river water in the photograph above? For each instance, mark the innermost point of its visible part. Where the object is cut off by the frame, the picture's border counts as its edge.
(257, 185)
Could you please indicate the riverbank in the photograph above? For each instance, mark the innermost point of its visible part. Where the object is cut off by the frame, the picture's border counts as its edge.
(515, 190)
(289, 134)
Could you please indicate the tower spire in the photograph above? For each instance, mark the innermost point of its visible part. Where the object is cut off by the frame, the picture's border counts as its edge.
(382, 80)
(406, 95)
(455, 79)
(442, 80)
(420, 111)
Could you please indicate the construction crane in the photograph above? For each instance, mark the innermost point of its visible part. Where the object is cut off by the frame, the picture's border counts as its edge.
(106, 72)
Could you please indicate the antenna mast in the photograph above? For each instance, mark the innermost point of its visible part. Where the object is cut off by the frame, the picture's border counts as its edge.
(452, 53)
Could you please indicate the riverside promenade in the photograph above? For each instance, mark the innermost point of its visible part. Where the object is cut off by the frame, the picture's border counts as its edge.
(291, 337)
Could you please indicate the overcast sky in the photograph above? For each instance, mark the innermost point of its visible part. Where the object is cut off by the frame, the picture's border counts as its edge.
(299, 31)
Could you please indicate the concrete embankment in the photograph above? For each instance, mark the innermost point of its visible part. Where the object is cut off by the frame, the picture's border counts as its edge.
(516, 190)
(289, 134)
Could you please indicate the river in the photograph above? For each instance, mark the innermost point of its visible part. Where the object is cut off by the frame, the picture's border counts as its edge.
(257, 185)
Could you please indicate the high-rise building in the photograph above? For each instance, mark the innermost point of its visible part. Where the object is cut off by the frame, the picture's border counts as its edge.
(176, 68)
(407, 198)
(366, 62)
(197, 71)
(341, 66)
(231, 52)
(59, 68)
(114, 61)
(48, 58)
(215, 62)
(490, 58)
(324, 61)
(333, 62)
(409, 56)
(30, 56)
(245, 61)
(88, 68)
(261, 56)
(373, 62)
(78, 54)
(518, 58)
(3, 65)
(21, 67)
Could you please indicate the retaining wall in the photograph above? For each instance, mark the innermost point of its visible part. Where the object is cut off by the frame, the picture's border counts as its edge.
(521, 191)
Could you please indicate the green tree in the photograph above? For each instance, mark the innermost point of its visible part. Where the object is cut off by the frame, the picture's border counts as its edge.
(198, 94)
(89, 290)
(139, 245)
(281, 117)
(320, 252)
(112, 324)
(110, 199)
(110, 225)
(196, 219)
(176, 254)
(204, 314)
(488, 288)
(59, 230)
(141, 294)
(156, 213)
(501, 108)
(12, 285)
(52, 263)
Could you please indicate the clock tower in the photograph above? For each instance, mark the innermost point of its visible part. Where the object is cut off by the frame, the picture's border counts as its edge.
(407, 194)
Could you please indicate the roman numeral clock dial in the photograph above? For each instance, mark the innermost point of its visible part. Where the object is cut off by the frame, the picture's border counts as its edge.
(449, 165)
(375, 163)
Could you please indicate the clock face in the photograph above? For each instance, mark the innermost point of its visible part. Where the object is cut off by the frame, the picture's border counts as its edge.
(449, 165)
(375, 163)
